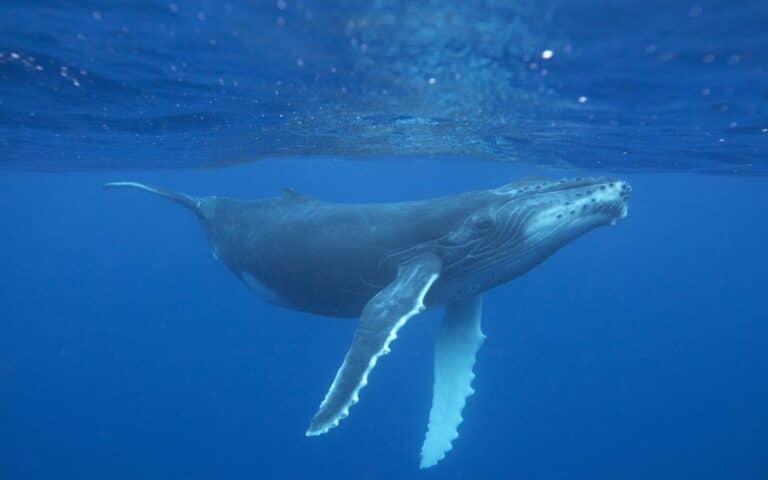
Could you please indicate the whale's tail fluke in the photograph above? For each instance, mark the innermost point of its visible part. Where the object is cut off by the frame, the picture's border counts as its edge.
(180, 198)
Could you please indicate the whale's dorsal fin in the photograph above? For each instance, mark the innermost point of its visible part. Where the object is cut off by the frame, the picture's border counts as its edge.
(457, 343)
(382, 317)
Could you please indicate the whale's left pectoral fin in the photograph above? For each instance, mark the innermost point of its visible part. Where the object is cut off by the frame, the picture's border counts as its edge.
(382, 317)
(457, 343)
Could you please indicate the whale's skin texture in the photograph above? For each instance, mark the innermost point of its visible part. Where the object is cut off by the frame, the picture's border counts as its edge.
(330, 258)
(386, 262)
(325, 258)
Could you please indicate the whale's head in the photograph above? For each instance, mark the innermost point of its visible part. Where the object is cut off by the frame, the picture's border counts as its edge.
(541, 216)
(522, 223)
(562, 210)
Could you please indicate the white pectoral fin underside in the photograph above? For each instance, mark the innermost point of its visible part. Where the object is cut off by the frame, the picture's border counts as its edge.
(457, 343)
(382, 317)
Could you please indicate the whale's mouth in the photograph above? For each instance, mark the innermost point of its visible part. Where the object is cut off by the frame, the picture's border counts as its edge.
(622, 203)
(623, 212)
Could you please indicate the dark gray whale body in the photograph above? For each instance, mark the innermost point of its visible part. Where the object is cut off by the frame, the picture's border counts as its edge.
(385, 263)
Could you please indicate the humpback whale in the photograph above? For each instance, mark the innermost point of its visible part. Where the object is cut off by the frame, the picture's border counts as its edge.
(384, 263)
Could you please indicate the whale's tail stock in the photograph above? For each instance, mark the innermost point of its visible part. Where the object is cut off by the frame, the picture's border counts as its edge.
(182, 199)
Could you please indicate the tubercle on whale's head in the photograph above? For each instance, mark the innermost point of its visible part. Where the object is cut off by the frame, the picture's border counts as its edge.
(521, 224)
(527, 220)
(551, 213)
(571, 207)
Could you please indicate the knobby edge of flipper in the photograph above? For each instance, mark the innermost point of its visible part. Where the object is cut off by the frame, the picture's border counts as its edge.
(456, 346)
(379, 323)
(182, 199)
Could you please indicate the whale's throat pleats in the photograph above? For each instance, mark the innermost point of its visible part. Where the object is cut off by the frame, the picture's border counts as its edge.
(382, 317)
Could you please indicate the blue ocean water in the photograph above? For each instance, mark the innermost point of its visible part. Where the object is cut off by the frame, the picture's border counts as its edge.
(630, 85)
(638, 351)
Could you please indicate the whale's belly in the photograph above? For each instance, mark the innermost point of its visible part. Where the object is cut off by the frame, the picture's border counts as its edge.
(338, 290)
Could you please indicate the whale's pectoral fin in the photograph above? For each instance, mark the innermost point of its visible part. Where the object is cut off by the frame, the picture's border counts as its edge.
(382, 317)
(457, 343)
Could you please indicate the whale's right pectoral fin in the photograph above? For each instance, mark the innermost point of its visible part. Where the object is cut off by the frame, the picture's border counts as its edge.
(382, 317)
(457, 344)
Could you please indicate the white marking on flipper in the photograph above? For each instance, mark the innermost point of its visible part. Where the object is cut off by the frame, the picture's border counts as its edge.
(387, 298)
(457, 343)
